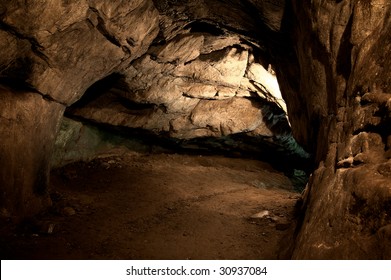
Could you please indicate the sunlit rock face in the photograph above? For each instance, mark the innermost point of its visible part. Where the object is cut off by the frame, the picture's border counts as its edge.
(201, 85)
(196, 85)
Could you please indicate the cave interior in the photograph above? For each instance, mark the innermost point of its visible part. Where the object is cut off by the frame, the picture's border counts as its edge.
(158, 94)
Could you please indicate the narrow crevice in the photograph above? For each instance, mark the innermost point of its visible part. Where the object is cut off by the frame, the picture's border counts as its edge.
(22, 86)
(383, 129)
(13, 31)
(204, 27)
(103, 30)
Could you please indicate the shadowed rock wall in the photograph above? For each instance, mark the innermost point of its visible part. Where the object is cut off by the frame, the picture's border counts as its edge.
(339, 99)
(54, 51)
(28, 126)
(331, 59)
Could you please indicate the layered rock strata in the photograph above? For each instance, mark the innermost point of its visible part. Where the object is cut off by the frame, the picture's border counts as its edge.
(51, 52)
(331, 59)
(343, 84)
(196, 85)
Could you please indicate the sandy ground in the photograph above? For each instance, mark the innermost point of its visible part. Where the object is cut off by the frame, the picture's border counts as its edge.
(126, 205)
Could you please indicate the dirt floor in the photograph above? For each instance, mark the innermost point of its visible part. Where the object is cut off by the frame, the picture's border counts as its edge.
(127, 205)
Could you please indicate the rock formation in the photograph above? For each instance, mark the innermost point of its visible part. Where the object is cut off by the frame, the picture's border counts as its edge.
(342, 49)
(193, 69)
(196, 85)
(51, 52)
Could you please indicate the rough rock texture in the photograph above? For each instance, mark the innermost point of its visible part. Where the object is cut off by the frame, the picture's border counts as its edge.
(28, 126)
(77, 141)
(331, 59)
(58, 49)
(195, 85)
(61, 48)
(338, 97)
(54, 51)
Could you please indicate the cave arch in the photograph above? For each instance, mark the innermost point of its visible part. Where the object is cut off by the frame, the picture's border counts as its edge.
(333, 72)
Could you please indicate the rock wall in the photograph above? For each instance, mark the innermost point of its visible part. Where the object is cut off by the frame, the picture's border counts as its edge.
(339, 100)
(191, 79)
(51, 52)
(331, 59)
(61, 48)
(199, 92)
(195, 85)
(28, 126)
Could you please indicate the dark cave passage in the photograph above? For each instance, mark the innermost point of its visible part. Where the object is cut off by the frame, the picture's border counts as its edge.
(284, 84)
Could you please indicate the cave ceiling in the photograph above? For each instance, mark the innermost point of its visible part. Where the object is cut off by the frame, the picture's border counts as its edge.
(331, 58)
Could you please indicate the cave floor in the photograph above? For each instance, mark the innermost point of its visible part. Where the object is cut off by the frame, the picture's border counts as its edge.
(126, 205)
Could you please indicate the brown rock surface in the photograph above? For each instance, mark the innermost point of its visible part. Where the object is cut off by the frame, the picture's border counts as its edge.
(344, 82)
(62, 58)
(190, 88)
(332, 60)
(28, 126)
(55, 50)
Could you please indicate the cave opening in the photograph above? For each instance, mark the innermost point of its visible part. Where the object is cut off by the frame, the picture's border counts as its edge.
(152, 189)
(187, 140)
(190, 144)
(150, 86)
(277, 146)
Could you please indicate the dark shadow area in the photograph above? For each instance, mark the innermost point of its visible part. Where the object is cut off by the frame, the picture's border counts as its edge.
(281, 151)
(204, 27)
(98, 89)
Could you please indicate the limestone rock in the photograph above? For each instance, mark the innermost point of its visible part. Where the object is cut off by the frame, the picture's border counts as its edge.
(181, 49)
(28, 127)
(235, 115)
(187, 87)
(64, 57)
(263, 78)
(175, 58)
(201, 91)
(226, 67)
(261, 215)
(215, 43)
(345, 81)
(51, 52)
(132, 25)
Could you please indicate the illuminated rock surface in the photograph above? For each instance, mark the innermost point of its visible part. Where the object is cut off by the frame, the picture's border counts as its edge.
(174, 67)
